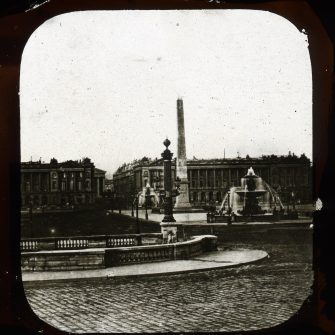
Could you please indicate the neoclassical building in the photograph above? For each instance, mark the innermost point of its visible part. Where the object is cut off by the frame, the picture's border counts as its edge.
(60, 183)
(210, 179)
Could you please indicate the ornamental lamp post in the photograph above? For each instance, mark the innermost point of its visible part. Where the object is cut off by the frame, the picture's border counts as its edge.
(147, 198)
(132, 205)
(167, 157)
(138, 232)
(118, 201)
(171, 230)
(31, 217)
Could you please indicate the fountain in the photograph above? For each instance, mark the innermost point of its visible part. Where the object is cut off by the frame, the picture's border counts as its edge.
(254, 200)
(148, 194)
(252, 190)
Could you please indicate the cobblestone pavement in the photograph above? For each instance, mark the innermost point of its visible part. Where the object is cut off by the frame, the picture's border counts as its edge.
(249, 297)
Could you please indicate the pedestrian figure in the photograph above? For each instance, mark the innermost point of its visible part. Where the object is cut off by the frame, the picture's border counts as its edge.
(169, 239)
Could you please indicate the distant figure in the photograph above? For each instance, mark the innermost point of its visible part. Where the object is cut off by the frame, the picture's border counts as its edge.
(170, 237)
(275, 211)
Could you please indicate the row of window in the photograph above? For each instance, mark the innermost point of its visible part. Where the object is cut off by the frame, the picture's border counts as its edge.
(69, 186)
(36, 177)
(63, 185)
(212, 196)
(80, 174)
(53, 200)
(199, 177)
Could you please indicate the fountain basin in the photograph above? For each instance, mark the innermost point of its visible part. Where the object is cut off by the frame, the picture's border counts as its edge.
(254, 200)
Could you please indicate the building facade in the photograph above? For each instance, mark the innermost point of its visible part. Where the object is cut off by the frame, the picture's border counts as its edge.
(210, 179)
(57, 184)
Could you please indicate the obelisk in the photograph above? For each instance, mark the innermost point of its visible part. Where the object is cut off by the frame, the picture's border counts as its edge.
(182, 201)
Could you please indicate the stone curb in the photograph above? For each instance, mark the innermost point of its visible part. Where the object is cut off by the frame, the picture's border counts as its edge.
(154, 274)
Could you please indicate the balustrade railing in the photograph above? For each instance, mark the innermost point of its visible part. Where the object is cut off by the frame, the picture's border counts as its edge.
(142, 256)
(120, 241)
(71, 243)
(84, 242)
(29, 245)
(137, 255)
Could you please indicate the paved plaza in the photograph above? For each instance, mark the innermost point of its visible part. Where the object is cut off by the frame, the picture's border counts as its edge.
(246, 297)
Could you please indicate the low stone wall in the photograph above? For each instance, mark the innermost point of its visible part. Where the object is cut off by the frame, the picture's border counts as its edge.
(145, 254)
(63, 260)
(59, 260)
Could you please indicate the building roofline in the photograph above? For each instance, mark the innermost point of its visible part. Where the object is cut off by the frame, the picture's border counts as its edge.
(265, 159)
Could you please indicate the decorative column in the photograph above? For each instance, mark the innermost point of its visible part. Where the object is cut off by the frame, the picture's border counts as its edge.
(98, 186)
(229, 178)
(167, 156)
(171, 230)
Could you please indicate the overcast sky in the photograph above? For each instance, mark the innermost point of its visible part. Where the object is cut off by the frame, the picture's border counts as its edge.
(104, 84)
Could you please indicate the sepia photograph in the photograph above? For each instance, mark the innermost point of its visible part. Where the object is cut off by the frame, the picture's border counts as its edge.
(166, 171)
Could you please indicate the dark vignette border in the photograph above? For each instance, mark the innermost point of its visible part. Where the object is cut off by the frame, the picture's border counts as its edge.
(18, 20)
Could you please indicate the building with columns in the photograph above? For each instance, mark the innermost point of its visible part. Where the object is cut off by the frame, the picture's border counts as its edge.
(57, 184)
(210, 179)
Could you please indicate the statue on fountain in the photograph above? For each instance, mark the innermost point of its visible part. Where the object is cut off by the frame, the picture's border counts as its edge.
(251, 194)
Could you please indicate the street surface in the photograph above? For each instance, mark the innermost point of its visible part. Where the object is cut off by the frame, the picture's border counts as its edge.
(247, 297)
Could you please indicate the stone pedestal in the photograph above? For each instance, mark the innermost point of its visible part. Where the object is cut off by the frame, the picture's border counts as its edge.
(172, 232)
(182, 201)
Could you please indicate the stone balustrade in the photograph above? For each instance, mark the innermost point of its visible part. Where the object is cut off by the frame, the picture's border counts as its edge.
(57, 260)
(85, 242)
(29, 245)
